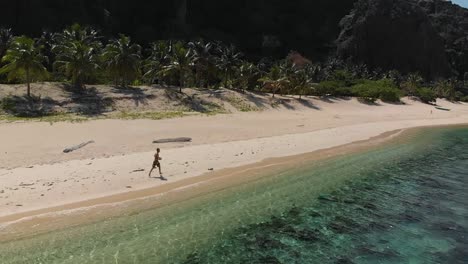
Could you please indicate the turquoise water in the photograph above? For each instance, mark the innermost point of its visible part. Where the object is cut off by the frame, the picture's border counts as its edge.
(402, 203)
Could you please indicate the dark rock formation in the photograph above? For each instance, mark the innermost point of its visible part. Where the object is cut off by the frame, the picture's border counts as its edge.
(393, 34)
(258, 27)
(451, 23)
(426, 36)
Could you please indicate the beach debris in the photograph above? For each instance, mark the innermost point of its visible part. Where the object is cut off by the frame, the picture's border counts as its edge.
(172, 140)
(30, 167)
(71, 149)
(139, 170)
(2, 191)
(442, 108)
(128, 187)
(26, 184)
(211, 169)
(19, 205)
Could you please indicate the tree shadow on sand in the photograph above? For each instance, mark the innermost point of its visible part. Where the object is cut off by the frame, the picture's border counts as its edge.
(134, 93)
(192, 102)
(24, 106)
(308, 104)
(88, 101)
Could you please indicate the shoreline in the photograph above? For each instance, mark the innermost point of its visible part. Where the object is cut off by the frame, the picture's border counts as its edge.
(115, 168)
(94, 210)
(117, 174)
(90, 211)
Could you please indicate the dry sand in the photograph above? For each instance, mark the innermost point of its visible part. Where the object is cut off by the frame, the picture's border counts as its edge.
(36, 174)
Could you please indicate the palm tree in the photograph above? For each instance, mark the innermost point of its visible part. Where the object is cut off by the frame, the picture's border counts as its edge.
(180, 64)
(412, 84)
(445, 89)
(247, 71)
(122, 60)
(78, 33)
(204, 61)
(77, 53)
(46, 41)
(23, 60)
(274, 80)
(158, 58)
(6, 36)
(78, 61)
(301, 82)
(228, 62)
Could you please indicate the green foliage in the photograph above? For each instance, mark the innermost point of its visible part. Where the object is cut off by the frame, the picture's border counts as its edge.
(180, 63)
(300, 82)
(384, 90)
(152, 66)
(122, 60)
(77, 53)
(412, 83)
(228, 62)
(426, 95)
(205, 62)
(345, 77)
(247, 76)
(445, 89)
(6, 37)
(332, 88)
(23, 61)
(275, 80)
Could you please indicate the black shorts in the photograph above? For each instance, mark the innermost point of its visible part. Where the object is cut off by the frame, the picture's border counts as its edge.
(156, 164)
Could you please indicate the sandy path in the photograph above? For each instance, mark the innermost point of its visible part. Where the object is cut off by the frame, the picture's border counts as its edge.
(118, 161)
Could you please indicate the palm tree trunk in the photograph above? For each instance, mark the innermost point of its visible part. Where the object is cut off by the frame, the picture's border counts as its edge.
(226, 79)
(28, 80)
(181, 82)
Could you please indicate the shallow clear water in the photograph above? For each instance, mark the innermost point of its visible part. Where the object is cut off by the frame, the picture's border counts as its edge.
(401, 203)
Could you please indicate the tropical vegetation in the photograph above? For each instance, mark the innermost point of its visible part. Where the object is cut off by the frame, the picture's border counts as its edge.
(81, 55)
(24, 61)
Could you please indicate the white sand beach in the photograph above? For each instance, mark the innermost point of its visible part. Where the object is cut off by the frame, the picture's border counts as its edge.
(36, 174)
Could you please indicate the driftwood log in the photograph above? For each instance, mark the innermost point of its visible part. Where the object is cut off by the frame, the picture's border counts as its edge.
(171, 140)
(68, 150)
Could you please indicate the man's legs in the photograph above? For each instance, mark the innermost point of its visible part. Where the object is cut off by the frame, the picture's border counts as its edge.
(151, 171)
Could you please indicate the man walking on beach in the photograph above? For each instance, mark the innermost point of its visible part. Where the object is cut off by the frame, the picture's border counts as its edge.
(156, 163)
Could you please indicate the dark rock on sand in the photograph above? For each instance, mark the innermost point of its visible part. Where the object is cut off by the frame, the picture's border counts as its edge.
(172, 140)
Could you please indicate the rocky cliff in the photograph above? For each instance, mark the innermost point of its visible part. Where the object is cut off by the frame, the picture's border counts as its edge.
(428, 36)
(259, 27)
(451, 23)
(425, 36)
(393, 34)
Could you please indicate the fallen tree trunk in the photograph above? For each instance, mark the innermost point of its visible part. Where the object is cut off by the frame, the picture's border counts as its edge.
(68, 150)
(171, 140)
